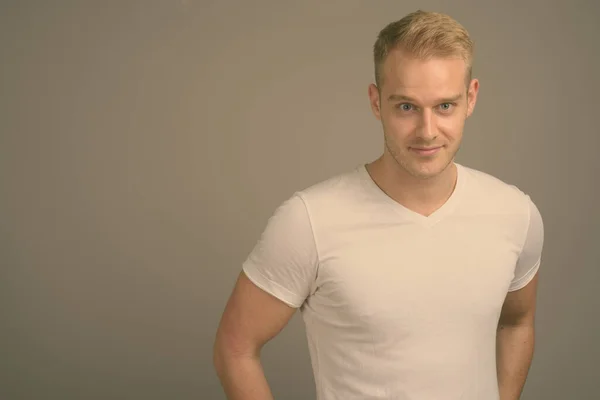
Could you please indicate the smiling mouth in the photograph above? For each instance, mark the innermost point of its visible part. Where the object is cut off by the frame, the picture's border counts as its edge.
(426, 151)
(426, 148)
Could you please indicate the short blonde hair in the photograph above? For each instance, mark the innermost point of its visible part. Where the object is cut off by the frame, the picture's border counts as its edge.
(424, 35)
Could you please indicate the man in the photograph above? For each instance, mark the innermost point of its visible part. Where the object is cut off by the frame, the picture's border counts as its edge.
(415, 276)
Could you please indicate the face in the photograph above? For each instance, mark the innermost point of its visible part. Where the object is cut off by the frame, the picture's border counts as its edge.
(423, 106)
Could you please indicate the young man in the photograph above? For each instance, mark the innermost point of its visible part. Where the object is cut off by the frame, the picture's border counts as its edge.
(416, 276)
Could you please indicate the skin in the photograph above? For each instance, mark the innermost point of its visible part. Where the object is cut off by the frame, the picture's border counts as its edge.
(515, 340)
(251, 318)
(422, 103)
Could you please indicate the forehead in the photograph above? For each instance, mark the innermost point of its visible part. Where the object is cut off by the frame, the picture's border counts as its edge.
(435, 76)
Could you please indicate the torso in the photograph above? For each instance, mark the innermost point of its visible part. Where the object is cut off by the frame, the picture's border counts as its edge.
(404, 300)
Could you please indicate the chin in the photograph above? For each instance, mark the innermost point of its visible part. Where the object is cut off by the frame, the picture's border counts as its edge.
(423, 174)
(427, 169)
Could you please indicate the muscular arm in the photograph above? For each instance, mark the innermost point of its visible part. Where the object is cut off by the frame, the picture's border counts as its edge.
(515, 340)
(251, 318)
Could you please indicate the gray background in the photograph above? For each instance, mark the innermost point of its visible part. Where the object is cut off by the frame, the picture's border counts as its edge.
(144, 144)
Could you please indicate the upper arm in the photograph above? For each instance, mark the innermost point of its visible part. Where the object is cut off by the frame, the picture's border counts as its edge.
(520, 302)
(530, 256)
(251, 318)
(278, 275)
(519, 305)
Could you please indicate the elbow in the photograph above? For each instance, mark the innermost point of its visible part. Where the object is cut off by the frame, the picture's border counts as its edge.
(227, 352)
(219, 357)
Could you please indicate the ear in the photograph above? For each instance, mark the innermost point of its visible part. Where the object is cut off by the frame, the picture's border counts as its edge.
(375, 100)
(472, 92)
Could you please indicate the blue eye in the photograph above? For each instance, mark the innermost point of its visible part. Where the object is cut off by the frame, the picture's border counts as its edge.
(445, 106)
(405, 106)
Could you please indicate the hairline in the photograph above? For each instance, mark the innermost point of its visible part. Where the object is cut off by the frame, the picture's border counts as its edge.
(456, 55)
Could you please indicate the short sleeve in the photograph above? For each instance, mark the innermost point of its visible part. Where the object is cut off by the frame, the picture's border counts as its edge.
(284, 261)
(530, 257)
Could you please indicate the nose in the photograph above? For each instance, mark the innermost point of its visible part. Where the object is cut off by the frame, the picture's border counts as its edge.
(426, 129)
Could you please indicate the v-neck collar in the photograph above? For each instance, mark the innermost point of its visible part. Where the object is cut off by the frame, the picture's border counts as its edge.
(414, 216)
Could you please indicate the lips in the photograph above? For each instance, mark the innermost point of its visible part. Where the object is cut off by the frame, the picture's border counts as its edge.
(426, 151)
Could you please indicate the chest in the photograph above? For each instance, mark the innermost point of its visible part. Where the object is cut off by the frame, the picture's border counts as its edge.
(410, 276)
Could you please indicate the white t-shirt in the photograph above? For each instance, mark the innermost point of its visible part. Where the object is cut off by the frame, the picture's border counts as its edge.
(398, 305)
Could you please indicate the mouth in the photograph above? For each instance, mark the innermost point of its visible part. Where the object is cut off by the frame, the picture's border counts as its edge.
(426, 151)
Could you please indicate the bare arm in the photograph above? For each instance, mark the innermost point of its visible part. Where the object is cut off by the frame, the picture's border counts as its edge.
(515, 340)
(251, 318)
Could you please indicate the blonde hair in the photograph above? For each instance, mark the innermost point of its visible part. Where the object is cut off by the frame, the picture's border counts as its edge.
(424, 35)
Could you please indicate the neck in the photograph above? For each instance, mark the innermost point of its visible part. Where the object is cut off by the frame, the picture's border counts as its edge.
(418, 194)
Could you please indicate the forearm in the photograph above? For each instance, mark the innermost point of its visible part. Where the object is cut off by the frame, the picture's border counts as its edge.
(514, 353)
(242, 377)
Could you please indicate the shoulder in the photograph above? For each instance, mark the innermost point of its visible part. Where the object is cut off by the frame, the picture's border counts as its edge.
(325, 200)
(512, 211)
(337, 190)
(491, 193)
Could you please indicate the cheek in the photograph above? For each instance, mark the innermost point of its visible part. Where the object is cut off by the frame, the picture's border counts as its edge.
(451, 127)
(399, 127)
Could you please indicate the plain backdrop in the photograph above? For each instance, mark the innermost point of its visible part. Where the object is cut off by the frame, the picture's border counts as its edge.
(144, 144)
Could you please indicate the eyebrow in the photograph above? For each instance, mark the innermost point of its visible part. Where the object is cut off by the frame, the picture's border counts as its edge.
(396, 97)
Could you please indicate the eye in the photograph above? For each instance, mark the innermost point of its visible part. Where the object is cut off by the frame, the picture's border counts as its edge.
(404, 106)
(445, 106)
